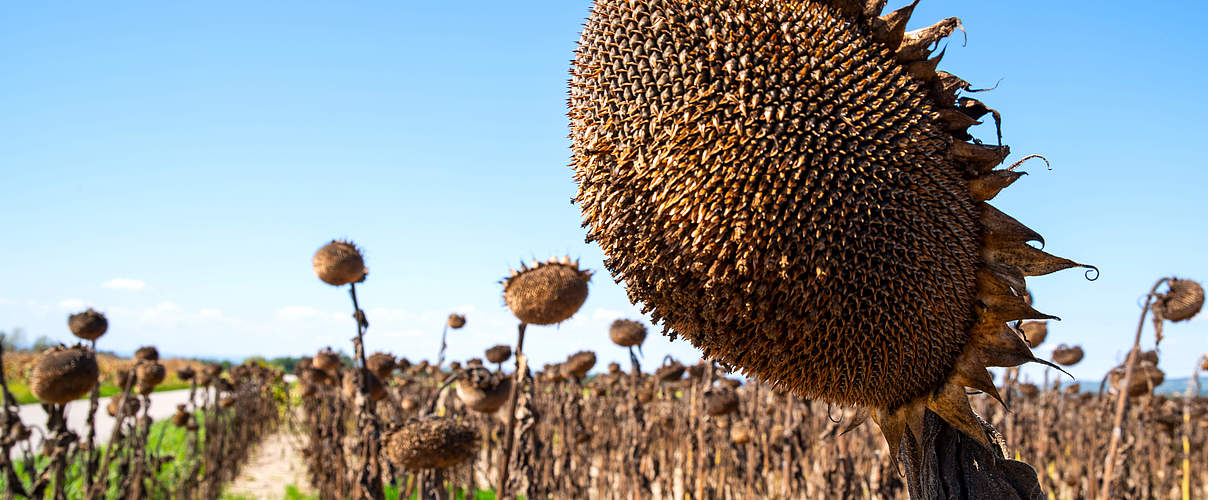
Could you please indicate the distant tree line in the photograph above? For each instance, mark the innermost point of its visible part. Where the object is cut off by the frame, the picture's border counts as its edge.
(287, 363)
(15, 340)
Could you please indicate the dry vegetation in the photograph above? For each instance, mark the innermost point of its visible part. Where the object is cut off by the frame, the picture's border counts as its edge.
(17, 366)
(690, 432)
(620, 436)
(225, 414)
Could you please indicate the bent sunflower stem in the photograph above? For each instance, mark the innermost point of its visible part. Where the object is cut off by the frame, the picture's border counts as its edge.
(1122, 397)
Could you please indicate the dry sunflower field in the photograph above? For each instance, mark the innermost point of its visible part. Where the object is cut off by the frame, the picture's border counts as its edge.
(789, 185)
(226, 412)
(468, 428)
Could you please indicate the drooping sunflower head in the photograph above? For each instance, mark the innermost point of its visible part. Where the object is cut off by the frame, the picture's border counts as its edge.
(1183, 300)
(791, 186)
(1034, 332)
(1067, 356)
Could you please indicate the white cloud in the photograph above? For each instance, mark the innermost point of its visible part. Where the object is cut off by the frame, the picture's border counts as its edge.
(73, 305)
(307, 313)
(163, 314)
(124, 284)
(210, 313)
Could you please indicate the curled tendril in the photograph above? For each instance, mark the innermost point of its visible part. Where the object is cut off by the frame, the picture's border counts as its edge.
(1029, 157)
(828, 414)
(1089, 270)
(985, 89)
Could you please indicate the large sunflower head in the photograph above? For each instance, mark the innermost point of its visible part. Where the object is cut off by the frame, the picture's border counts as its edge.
(791, 186)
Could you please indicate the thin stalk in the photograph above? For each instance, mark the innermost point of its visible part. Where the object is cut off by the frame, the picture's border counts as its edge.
(99, 488)
(1193, 391)
(369, 477)
(1122, 397)
(506, 458)
(10, 420)
(440, 357)
(90, 458)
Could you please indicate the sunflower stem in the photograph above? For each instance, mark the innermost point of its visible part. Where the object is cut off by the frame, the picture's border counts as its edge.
(440, 357)
(1130, 362)
(90, 458)
(505, 458)
(369, 476)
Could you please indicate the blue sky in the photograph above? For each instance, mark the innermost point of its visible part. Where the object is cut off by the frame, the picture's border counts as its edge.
(198, 154)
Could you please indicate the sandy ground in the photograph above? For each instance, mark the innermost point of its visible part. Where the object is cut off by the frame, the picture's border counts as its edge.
(275, 464)
(163, 405)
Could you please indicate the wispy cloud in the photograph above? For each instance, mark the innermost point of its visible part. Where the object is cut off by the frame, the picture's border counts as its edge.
(307, 313)
(210, 314)
(125, 284)
(163, 314)
(72, 304)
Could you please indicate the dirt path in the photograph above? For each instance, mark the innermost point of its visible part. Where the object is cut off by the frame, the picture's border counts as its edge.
(274, 465)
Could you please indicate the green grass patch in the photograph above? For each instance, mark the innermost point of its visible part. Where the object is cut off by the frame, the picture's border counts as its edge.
(459, 494)
(24, 396)
(162, 439)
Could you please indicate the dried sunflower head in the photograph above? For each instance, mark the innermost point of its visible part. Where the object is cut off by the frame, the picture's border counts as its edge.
(1034, 332)
(431, 443)
(1067, 356)
(579, 363)
(146, 353)
(499, 353)
(381, 364)
(186, 374)
(1145, 378)
(720, 402)
(132, 405)
(181, 417)
(88, 325)
(339, 263)
(327, 360)
(456, 321)
(61, 374)
(670, 371)
(546, 293)
(627, 332)
(150, 373)
(791, 186)
(483, 391)
(1181, 302)
(1028, 390)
